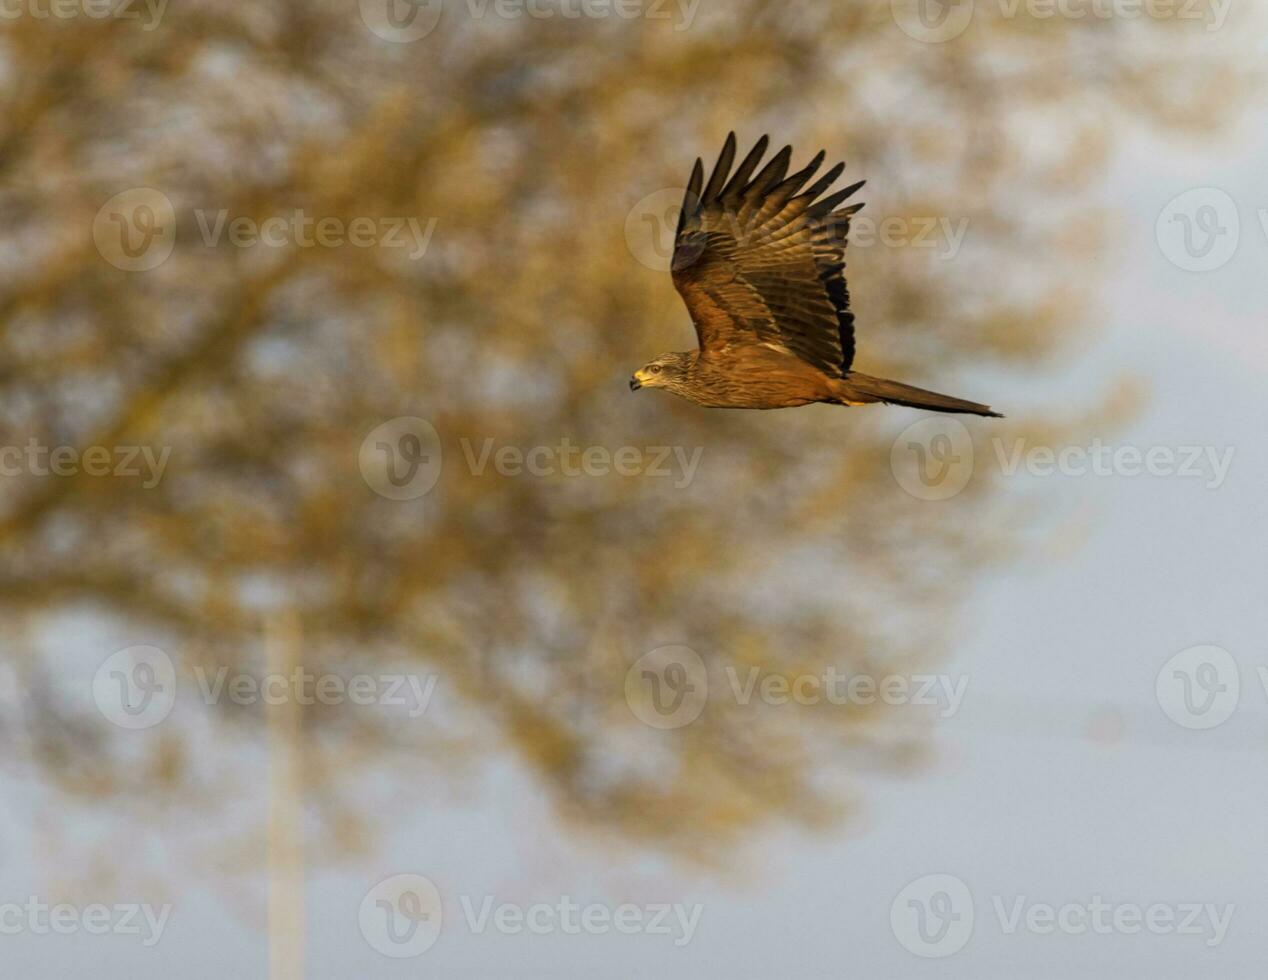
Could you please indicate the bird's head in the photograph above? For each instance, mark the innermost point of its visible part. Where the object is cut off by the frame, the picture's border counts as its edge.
(666, 371)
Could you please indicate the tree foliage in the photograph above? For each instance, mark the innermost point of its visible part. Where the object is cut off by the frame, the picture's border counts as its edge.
(531, 142)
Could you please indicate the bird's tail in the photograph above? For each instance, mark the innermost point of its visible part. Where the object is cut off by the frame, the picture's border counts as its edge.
(864, 388)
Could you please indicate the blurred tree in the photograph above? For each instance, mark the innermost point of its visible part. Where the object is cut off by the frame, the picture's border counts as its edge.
(538, 146)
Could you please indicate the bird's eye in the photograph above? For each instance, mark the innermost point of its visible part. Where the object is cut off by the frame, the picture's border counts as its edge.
(655, 369)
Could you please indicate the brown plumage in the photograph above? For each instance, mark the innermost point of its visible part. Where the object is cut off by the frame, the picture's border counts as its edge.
(760, 263)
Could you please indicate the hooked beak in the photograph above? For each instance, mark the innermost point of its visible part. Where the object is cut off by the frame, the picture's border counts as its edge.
(635, 384)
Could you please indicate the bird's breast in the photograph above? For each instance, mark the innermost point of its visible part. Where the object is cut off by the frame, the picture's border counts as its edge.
(758, 377)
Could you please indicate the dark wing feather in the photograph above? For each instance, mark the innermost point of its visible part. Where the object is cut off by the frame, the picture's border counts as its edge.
(759, 261)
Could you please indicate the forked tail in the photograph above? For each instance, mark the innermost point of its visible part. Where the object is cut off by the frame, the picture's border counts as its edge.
(864, 388)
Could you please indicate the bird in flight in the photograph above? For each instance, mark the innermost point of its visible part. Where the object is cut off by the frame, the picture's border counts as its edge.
(760, 263)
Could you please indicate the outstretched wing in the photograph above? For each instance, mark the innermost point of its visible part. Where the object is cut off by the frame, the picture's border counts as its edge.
(760, 261)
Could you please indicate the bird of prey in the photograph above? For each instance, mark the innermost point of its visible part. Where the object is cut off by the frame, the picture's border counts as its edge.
(760, 263)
